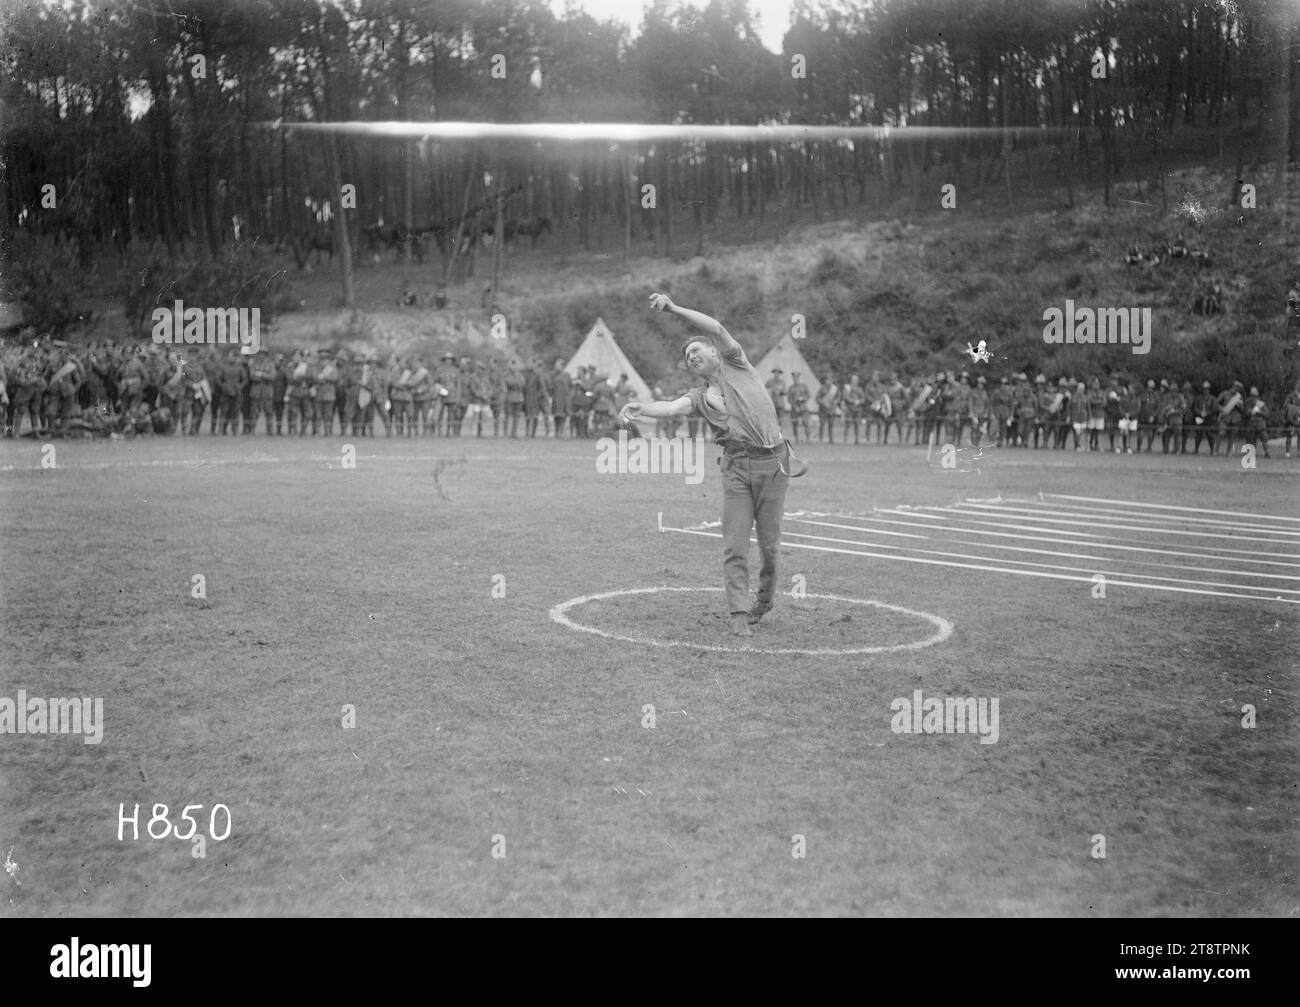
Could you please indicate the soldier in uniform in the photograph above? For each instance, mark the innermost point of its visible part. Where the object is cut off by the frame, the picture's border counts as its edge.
(327, 389)
(421, 385)
(512, 400)
(1003, 405)
(1044, 396)
(1172, 406)
(496, 376)
(977, 407)
(299, 379)
(212, 368)
(775, 386)
(1231, 415)
(134, 377)
(25, 387)
(261, 385)
(934, 409)
(1079, 414)
(1255, 411)
(381, 396)
(797, 395)
(828, 407)
(279, 392)
(446, 410)
(535, 395)
(1148, 415)
(478, 397)
(579, 402)
(1113, 413)
(1205, 418)
(342, 388)
(854, 397)
(61, 389)
(1189, 416)
(1096, 414)
(233, 379)
(895, 408)
(246, 391)
(1026, 409)
(561, 393)
(399, 395)
(197, 395)
(958, 410)
(173, 393)
(1291, 419)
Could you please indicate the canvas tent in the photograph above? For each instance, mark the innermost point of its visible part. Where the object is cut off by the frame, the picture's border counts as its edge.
(785, 355)
(601, 351)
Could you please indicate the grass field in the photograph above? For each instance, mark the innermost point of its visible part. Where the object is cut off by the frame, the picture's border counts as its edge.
(481, 717)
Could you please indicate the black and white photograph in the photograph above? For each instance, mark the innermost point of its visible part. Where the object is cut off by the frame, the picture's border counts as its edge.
(665, 459)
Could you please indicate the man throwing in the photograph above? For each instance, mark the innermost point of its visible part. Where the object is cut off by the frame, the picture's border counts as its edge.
(756, 462)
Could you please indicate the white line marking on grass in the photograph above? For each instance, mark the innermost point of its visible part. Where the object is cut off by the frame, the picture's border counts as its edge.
(1055, 533)
(560, 615)
(1064, 555)
(979, 518)
(1038, 507)
(1284, 536)
(1156, 506)
(1011, 570)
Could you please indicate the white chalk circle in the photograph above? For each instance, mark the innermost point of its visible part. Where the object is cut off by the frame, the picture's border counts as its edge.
(943, 628)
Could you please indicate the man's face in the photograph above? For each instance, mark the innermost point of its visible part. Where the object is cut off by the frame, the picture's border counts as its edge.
(702, 358)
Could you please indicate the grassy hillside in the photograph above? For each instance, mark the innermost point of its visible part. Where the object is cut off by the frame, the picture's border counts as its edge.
(895, 294)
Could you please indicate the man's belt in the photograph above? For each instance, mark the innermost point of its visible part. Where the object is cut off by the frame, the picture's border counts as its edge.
(751, 450)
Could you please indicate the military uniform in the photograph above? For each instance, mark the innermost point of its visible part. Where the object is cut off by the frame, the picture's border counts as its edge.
(854, 397)
(1112, 415)
(478, 396)
(1291, 419)
(1148, 416)
(327, 389)
(561, 391)
(421, 386)
(535, 396)
(261, 389)
(828, 407)
(1003, 409)
(1205, 413)
(1172, 406)
(279, 393)
(978, 410)
(450, 406)
(1096, 414)
(233, 380)
(172, 395)
(514, 381)
(212, 368)
(775, 386)
(1231, 415)
(1025, 401)
(798, 396)
(25, 387)
(1044, 398)
(301, 410)
(1255, 411)
(195, 394)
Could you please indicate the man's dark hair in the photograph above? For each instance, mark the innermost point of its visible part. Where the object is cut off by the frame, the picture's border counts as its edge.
(696, 339)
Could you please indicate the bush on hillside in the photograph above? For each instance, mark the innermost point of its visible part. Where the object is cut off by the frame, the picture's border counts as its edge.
(49, 281)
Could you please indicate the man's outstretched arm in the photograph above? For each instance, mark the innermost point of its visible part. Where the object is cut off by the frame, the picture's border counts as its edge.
(726, 344)
(657, 410)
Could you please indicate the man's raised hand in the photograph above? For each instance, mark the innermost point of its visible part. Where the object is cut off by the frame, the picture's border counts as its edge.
(629, 412)
(661, 302)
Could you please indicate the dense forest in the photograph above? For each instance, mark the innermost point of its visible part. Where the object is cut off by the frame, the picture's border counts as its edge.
(153, 121)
